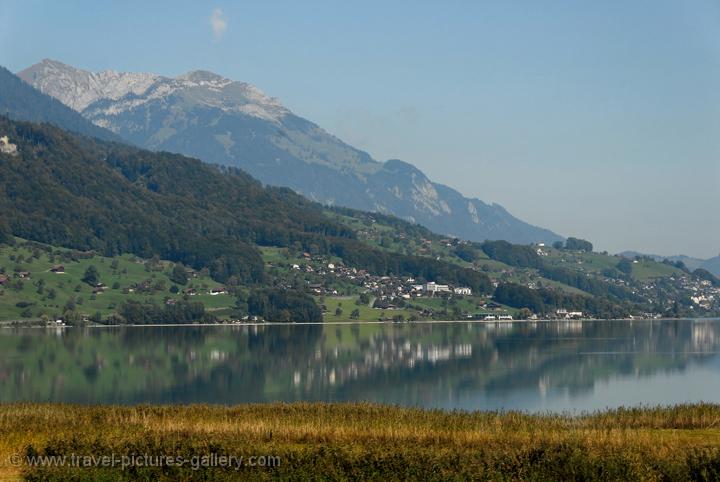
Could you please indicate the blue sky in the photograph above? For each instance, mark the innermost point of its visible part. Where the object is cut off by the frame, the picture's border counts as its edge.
(594, 119)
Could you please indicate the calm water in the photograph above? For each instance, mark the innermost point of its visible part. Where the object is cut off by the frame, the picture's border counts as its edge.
(535, 366)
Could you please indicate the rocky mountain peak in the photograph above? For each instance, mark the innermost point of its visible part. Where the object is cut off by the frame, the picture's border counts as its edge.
(203, 76)
(223, 121)
(88, 92)
(79, 88)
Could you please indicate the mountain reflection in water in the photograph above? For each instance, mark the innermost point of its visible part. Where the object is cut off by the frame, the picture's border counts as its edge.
(532, 366)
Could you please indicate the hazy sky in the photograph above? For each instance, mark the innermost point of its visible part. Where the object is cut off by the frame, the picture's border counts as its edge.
(598, 119)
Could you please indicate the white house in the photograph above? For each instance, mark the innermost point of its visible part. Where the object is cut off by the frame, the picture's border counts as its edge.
(563, 313)
(433, 287)
(462, 291)
(6, 147)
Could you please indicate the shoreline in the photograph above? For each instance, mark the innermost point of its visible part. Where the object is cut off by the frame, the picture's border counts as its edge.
(12, 324)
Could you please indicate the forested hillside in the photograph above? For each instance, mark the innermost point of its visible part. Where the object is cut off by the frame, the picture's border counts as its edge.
(272, 249)
(86, 194)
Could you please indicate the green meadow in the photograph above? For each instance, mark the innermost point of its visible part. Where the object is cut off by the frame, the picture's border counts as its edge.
(33, 291)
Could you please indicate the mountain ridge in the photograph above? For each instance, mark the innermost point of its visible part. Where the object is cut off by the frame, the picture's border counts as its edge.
(21, 101)
(205, 115)
(711, 264)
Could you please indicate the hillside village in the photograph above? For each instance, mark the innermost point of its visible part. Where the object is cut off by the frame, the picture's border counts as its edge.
(324, 277)
(328, 280)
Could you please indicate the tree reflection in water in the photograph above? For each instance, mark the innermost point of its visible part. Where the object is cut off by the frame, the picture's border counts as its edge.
(412, 364)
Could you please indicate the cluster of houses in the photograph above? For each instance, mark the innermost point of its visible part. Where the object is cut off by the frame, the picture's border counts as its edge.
(386, 287)
(192, 291)
(702, 293)
(5, 279)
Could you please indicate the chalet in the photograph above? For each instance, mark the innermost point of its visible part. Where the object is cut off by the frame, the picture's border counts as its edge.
(23, 274)
(217, 291)
(316, 288)
(57, 268)
(98, 290)
(4, 279)
(190, 291)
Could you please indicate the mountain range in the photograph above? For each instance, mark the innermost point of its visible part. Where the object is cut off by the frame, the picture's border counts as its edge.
(231, 123)
(79, 192)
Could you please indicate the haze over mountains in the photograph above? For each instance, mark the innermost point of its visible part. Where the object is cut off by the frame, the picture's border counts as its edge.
(232, 123)
(712, 264)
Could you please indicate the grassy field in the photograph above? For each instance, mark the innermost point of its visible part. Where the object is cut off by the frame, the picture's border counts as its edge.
(647, 269)
(361, 442)
(43, 292)
(348, 304)
(643, 270)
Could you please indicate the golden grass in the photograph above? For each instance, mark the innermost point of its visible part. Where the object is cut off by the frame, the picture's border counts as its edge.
(365, 441)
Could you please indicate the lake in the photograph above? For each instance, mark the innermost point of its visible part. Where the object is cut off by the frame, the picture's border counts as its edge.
(537, 366)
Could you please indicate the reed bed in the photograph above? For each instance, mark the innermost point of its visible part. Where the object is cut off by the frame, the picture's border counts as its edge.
(364, 442)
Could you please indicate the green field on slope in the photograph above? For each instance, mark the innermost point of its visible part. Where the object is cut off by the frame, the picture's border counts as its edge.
(44, 293)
